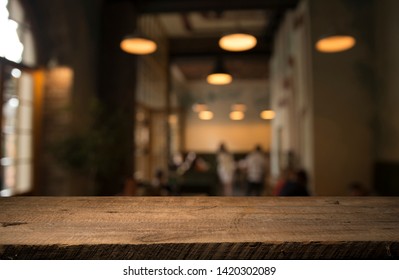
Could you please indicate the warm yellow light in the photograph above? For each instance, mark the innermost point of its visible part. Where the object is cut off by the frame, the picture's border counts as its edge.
(173, 119)
(239, 107)
(237, 115)
(219, 79)
(336, 43)
(205, 115)
(237, 42)
(267, 115)
(138, 45)
(62, 76)
(198, 107)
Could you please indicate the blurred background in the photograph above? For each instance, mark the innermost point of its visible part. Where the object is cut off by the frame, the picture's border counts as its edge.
(85, 113)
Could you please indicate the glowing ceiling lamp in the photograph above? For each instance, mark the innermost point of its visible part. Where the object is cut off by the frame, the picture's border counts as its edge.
(237, 42)
(219, 79)
(137, 44)
(16, 73)
(335, 43)
(267, 114)
(13, 102)
(219, 75)
(205, 115)
(237, 115)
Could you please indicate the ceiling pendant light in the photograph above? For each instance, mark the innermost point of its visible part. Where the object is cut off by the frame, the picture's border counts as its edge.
(137, 44)
(205, 115)
(335, 43)
(237, 115)
(267, 114)
(237, 42)
(219, 75)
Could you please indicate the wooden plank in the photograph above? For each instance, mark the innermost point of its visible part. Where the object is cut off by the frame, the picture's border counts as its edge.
(199, 227)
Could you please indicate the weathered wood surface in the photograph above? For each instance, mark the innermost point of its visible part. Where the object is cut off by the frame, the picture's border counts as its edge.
(199, 228)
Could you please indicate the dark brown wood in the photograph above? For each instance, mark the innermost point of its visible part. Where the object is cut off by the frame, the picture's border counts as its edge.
(162, 6)
(199, 228)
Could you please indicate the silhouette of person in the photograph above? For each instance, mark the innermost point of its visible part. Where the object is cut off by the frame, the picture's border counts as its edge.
(256, 165)
(225, 169)
(160, 183)
(357, 189)
(296, 186)
(129, 187)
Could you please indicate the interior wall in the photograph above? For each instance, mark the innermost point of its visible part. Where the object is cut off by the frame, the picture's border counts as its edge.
(387, 63)
(291, 95)
(387, 44)
(178, 87)
(152, 93)
(66, 35)
(342, 103)
(116, 88)
(204, 137)
(56, 122)
(243, 135)
(325, 103)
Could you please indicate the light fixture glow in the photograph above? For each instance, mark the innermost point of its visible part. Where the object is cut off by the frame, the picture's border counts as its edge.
(237, 42)
(138, 45)
(205, 115)
(267, 115)
(239, 107)
(336, 43)
(237, 115)
(13, 102)
(6, 161)
(219, 79)
(219, 75)
(16, 73)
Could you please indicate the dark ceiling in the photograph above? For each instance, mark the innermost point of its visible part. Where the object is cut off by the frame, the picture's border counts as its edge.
(195, 51)
(167, 6)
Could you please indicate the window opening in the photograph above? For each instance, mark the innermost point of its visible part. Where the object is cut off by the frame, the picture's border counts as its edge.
(17, 94)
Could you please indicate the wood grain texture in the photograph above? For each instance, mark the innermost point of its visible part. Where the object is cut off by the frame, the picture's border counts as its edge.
(199, 228)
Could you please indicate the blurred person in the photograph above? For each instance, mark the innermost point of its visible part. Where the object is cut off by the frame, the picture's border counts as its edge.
(282, 179)
(225, 168)
(201, 165)
(357, 189)
(160, 184)
(256, 166)
(129, 187)
(296, 185)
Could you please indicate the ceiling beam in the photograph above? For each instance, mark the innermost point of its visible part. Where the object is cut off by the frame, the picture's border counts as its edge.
(208, 46)
(168, 6)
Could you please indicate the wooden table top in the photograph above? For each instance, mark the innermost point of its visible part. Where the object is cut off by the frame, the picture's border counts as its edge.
(199, 227)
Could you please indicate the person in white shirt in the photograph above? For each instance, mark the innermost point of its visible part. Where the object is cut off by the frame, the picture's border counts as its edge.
(225, 168)
(256, 164)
